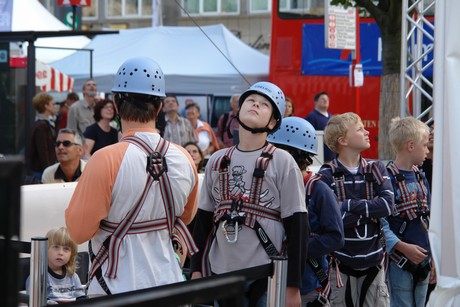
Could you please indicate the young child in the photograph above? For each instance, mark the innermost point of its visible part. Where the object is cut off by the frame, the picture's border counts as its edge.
(253, 191)
(365, 194)
(63, 284)
(298, 137)
(407, 236)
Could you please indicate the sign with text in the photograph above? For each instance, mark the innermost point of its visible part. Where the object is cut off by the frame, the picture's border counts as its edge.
(74, 2)
(340, 27)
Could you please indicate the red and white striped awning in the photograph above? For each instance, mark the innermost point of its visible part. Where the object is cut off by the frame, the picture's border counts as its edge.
(50, 79)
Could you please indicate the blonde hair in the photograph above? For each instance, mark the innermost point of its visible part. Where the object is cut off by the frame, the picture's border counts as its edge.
(337, 127)
(60, 236)
(406, 129)
(40, 101)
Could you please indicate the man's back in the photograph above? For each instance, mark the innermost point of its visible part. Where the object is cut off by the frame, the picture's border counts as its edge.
(111, 185)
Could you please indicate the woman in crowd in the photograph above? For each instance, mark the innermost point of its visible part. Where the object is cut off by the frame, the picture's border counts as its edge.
(197, 155)
(101, 134)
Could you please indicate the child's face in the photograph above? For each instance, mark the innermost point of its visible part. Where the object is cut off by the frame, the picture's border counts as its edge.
(357, 137)
(256, 112)
(420, 149)
(58, 256)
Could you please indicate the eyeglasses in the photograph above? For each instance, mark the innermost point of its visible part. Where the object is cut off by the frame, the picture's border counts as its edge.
(64, 143)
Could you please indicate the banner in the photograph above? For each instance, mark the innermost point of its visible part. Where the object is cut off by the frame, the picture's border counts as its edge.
(320, 61)
(6, 15)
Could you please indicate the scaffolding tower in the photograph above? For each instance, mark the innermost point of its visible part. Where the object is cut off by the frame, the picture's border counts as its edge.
(417, 45)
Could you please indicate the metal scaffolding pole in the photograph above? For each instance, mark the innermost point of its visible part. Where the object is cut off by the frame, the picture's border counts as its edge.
(417, 44)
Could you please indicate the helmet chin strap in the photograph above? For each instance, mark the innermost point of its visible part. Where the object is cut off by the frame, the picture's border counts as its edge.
(254, 130)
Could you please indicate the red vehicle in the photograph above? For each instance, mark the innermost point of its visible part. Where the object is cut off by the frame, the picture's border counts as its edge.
(302, 66)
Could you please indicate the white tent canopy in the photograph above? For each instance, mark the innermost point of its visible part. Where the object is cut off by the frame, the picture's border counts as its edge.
(192, 62)
(30, 15)
(445, 213)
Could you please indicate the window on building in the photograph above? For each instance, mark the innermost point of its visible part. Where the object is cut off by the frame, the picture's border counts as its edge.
(90, 12)
(211, 7)
(260, 6)
(129, 8)
(313, 8)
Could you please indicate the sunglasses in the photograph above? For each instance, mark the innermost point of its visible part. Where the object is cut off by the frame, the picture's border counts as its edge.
(65, 143)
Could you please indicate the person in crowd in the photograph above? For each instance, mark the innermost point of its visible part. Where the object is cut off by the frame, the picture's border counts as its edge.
(197, 155)
(81, 113)
(298, 137)
(427, 168)
(406, 230)
(241, 206)
(116, 196)
(63, 284)
(101, 134)
(319, 118)
(289, 107)
(365, 195)
(178, 129)
(69, 149)
(41, 153)
(206, 139)
(427, 165)
(227, 126)
(64, 106)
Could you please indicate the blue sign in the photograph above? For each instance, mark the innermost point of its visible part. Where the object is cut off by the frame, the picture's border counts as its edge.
(320, 61)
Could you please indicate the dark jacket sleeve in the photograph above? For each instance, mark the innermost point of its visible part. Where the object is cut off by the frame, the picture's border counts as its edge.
(297, 231)
(201, 232)
(329, 237)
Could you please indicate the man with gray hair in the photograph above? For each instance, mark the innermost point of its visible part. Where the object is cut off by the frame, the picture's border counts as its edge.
(81, 113)
(227, 126)
(69, 149)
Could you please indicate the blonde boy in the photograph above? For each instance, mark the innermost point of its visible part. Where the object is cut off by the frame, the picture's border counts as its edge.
(406, 232)
(365, 195)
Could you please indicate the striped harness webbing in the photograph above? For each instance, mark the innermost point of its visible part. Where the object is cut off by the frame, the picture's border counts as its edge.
(157, 169)
(372, 174)
(412, 205)
(249, 206)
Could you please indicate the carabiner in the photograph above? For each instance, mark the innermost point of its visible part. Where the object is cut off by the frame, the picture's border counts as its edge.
(225, 232)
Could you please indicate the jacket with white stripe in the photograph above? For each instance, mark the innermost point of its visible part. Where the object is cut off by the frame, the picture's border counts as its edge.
(361, 212)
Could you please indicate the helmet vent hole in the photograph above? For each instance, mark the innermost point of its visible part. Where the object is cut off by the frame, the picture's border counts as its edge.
(135, 69)
(130, 73)
(148, 75)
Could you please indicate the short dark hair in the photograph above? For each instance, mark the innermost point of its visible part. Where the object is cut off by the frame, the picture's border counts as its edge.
(193, 105)
(73, 96)
(319, 95)
(173, 96)
(99, 106)
(137, 107)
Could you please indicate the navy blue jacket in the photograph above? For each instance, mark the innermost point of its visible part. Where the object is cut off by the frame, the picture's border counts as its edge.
(360, 216)
(319, 122)
(326, 233)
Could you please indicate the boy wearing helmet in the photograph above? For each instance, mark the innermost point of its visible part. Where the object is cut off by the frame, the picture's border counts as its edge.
(124, 203)
(252, 189)
(298, 137)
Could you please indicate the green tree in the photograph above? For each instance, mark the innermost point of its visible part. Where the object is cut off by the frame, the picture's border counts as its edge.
(388, 16)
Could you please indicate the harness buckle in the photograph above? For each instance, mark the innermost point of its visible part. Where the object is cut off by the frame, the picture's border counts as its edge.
(322, 299)
(259, 173)
(400, 177)
(402, 262)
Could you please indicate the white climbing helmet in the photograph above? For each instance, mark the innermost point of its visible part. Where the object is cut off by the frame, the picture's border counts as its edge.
(274, 94)
(140, 75)
(296, 132)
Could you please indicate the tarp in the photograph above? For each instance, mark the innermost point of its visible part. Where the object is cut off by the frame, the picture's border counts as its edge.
(445, 208)
(30, 15)
(50, 79)
(193, 62)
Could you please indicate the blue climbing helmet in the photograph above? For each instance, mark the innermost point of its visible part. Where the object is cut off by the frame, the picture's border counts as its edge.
(140, 75)
(296, 132)
(274, 94)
